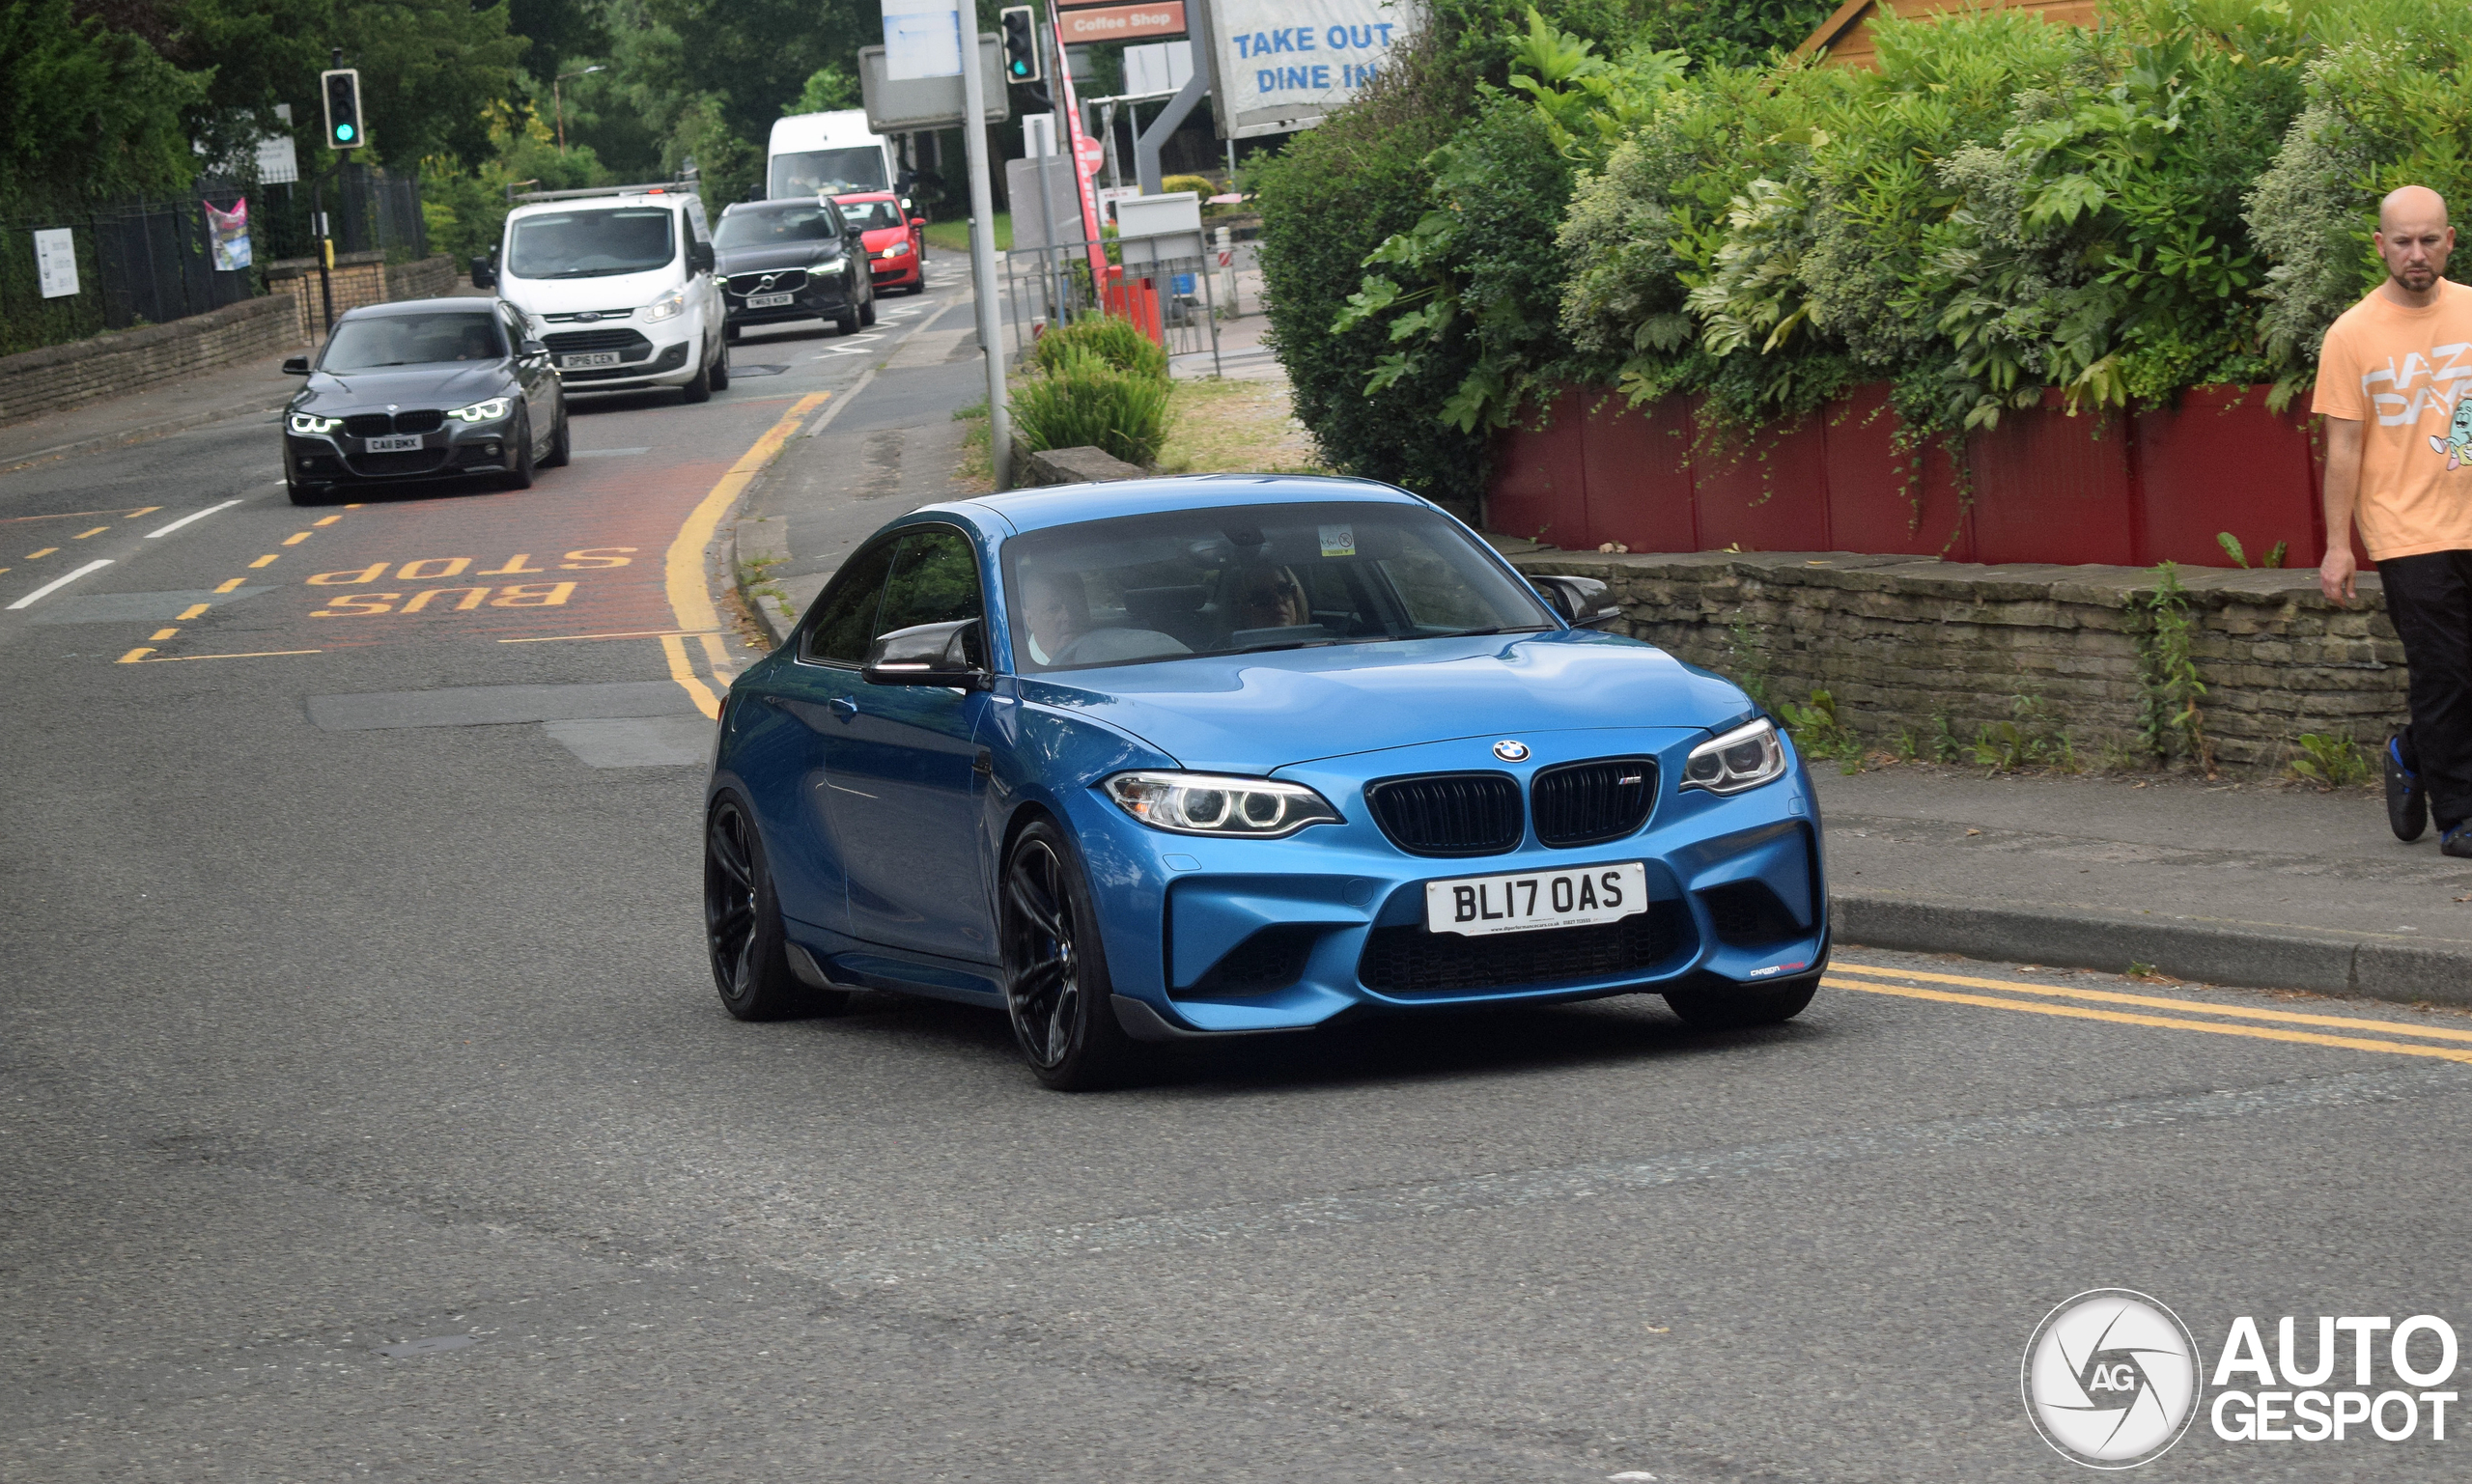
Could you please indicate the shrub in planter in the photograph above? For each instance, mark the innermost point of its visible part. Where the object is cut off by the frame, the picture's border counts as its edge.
(1082, 402)
(1112, 338)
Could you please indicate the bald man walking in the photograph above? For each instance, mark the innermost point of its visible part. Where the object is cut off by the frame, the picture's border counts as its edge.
(2395, 386)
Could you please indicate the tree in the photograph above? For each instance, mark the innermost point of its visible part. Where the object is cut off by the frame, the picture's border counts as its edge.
(87, 108)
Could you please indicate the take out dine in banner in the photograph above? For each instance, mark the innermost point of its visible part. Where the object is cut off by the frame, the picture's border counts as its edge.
(1283, 64)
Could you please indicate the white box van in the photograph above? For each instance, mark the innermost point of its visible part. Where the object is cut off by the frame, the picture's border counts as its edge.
(834, 154)
(618, 282)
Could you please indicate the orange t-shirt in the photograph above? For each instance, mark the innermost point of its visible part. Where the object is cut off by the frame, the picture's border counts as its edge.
(2405, 375)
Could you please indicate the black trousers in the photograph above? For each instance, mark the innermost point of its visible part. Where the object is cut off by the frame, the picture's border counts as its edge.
(2429, 598)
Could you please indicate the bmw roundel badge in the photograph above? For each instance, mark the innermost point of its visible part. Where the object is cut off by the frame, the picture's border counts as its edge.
(1511, 752)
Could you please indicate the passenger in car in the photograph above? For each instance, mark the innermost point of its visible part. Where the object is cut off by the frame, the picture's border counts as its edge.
(1269, 597)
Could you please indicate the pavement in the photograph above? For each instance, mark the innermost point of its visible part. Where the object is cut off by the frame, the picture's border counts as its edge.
(249, 389)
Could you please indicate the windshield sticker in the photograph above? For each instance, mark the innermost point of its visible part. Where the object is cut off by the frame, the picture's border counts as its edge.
(1338, 540)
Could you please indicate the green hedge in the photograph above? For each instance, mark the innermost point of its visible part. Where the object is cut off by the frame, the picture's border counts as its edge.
(2180, 195)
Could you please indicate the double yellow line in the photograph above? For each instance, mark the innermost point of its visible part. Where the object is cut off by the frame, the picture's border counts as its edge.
(2230, 1020)
(691, 598)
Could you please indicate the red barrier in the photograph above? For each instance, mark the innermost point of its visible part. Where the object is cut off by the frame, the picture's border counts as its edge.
(2220, 461)
(1636, 465)
(1884, 499)
(1539, 487)
(2051, 488)
(1761, 490)
(1135, 299)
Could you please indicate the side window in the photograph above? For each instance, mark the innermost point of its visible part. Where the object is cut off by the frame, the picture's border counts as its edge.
(844, 620)
(935, 580)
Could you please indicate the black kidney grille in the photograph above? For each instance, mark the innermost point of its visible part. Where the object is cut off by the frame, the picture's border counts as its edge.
(563, 342)
(1587, 803)
(1448, 814)
(368, 425)
(1409, 959)
(427, 420)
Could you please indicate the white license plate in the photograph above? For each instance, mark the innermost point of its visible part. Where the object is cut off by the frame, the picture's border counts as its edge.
(1527, 901)
(589, 359)
(770, 300)
(399, 443)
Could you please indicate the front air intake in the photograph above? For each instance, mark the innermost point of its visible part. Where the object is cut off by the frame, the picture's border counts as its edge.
(1448, 814)
(1591, 802)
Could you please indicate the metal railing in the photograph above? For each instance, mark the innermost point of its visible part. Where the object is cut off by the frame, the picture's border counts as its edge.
(1174, 298)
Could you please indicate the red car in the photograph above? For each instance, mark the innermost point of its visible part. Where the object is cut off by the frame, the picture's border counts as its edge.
(896, 241)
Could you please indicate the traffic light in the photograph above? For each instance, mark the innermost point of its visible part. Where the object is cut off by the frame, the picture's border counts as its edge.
(1022, 61)
(342, 90)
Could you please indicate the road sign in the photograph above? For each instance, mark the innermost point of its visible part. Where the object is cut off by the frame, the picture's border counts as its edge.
(1083, 25)
(900, 105)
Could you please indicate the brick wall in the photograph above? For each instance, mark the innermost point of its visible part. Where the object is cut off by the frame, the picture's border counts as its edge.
(1901, 642)
(355, 279)
(56, 377)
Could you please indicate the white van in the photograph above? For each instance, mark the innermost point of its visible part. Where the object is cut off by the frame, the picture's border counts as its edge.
(618, 282)
(815, 154)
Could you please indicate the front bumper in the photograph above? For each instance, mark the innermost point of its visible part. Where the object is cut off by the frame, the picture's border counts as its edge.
(897, 272)
(825, 294)
(654, 364)
(1239, 935)
(449, 452)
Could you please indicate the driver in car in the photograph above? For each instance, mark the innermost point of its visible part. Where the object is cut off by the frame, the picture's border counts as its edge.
(1269, 597)
(1057, 612)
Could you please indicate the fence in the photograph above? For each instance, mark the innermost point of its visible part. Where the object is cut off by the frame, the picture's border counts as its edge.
(152, 262)
(1174, 299)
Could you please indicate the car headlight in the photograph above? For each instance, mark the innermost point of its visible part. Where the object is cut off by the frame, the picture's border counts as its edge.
(1744, 758)
(1210, 804)
(489, 411)
(311, 421)
(897, 250)
(668, 306)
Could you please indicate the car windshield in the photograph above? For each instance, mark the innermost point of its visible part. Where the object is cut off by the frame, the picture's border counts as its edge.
(413, 340)
(860, 167)
(777, 227)
(1252, 577)
(870, 215)
(591, 244)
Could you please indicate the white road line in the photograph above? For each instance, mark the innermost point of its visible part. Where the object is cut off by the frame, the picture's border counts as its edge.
(57, 583)
(185, 519)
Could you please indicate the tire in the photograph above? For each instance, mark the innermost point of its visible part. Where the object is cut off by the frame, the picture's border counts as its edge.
(919, 287)
(847, 324)
(561, 441)
(520, 476)
(1733, 1009)
(867, 313)
(308, 494)
(743, 934)
(719, 371)
(700, 389)
(1056, 989)
(729, 334)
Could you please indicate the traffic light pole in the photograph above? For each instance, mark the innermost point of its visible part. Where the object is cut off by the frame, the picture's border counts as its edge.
(982, 257)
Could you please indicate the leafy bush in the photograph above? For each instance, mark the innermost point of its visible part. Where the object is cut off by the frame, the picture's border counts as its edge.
(2330, 761)
(1082, 401)
(1112, 338)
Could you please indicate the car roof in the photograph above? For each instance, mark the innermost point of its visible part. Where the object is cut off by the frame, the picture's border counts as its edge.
(464, 304)
(1053, 505)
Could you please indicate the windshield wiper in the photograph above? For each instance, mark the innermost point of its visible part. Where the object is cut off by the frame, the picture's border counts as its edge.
(594, 272)
(1471, 634)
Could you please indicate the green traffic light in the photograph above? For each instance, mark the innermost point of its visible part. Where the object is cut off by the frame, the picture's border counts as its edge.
(342, 132)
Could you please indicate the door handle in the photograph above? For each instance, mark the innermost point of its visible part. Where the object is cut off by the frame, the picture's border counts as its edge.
(846, 707)
(984, 764)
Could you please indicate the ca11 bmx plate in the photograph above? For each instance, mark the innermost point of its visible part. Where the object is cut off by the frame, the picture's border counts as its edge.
(1530, 901)
(392, 443)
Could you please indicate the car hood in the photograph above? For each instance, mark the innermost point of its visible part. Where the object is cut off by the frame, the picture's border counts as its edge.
(764, 260)
(1252, 713)
(451, 385)
(618, 294)
(883, 238)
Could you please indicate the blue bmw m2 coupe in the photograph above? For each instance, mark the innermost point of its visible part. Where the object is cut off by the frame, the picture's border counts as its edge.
(1207, 757)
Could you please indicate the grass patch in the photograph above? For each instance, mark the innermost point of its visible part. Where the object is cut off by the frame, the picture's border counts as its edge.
(1235, 427)
(953, 236)
(978, 469)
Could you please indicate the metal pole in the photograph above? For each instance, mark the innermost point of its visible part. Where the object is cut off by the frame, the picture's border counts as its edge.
(1145, 150)
(982, 257)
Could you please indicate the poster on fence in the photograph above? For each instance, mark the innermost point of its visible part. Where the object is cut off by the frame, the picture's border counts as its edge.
(56, 261)
(231, 232)
(1281, 64)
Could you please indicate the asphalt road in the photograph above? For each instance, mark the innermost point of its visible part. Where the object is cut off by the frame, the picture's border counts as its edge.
(366, 1110)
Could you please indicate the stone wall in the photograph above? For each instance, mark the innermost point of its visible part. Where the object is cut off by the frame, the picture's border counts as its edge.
(1901, 643)
(56, 377)
(355, 279)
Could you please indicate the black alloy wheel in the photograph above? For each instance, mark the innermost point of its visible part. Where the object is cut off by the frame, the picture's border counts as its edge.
(743, 926)
(1056, 988)
(729, 332)
(699, 387)
(847, 323)
(867, 315)
(520, 477)
(720, 368)
(561, 441)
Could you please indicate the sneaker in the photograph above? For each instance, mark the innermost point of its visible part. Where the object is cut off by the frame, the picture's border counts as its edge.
(2457, 842)
(2407, 808)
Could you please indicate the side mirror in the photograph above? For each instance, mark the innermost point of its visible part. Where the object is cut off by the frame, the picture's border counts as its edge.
(530, 348)
(485, 270)
(295, 366)
(952, 654)
(1583, 602)
(699, 257)
(919, 223)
